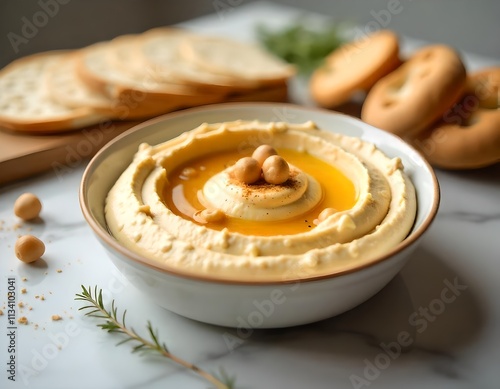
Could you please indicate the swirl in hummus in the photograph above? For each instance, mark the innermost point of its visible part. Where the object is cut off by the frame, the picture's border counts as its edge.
(344, 202)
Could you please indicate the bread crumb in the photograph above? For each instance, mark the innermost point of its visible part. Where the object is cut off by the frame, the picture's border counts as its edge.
(59, 270)
(20, 304)
(24, 279)
(42, 297)
(1, 312)
(23, 290)
(37, 296)
(22, 320)
(56, 318)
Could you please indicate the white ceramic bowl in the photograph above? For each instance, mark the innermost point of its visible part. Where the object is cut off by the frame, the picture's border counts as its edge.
(254, 304)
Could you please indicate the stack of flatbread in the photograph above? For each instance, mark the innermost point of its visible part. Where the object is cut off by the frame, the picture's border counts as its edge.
(135, 77)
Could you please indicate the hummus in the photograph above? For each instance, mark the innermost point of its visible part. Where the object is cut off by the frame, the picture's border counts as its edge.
(179, 205)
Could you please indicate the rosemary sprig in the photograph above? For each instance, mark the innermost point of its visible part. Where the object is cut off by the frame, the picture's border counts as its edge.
(113, 324)
(301, 45)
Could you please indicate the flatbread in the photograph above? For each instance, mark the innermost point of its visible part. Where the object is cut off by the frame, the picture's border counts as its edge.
(26, 105)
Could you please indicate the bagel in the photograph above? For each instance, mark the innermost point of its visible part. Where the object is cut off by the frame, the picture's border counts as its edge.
(353, 67)
(468, 137)
(485, 84)
(411, 98)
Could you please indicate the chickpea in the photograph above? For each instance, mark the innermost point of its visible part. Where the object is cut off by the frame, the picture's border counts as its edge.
(263, 152)
(326, 213)
(209, 216)
(29, 248)
(27, 206)
(189, 172)
(212, 215)
(275, 170)
(247, 170)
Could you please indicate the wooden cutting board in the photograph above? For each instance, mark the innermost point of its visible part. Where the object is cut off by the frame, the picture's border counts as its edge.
(23, 155)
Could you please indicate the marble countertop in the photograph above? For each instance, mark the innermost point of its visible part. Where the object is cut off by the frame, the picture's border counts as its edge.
(436, 325)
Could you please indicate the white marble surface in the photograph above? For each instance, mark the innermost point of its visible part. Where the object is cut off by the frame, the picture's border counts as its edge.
(444, 306)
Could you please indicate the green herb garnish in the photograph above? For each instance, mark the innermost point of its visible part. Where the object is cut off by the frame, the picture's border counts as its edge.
(113, 324)
(304, 47)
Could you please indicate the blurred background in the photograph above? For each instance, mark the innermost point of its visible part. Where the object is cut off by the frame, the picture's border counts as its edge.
(29, 26)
